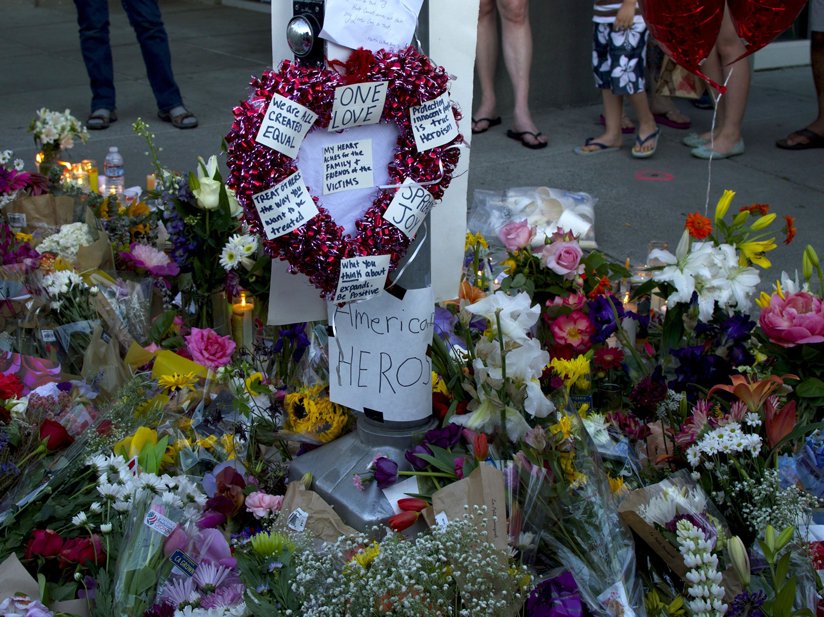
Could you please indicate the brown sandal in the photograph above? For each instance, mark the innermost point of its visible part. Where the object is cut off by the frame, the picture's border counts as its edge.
(100, 119)
(183, 120)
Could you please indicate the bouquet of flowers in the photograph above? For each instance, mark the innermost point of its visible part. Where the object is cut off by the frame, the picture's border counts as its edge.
(14, 180)
(53, 130)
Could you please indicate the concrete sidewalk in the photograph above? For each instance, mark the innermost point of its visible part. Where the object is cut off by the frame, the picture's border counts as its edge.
(216, 49)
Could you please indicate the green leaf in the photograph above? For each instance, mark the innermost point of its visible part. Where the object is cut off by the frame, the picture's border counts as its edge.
(783, 605)
(784, 537)
(161, 326)
(439, 464)
(781, 569)
(812, 387)
(143, 580)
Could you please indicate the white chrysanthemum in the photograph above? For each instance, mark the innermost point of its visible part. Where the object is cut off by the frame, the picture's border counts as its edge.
(5, 156)
(80, 519)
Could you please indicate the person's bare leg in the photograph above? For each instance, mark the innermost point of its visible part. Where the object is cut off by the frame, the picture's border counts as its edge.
(817, 65)
(486, 60)
(734, 103)
(712, 68)
(516, 39)
(611, 137)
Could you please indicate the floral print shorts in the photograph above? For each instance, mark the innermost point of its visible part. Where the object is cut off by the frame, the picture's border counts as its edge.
(618, 58)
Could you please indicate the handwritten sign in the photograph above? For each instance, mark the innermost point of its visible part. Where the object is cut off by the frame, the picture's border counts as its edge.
(386, 24)
(347, 166)
(358, 105)
(361, 278)
(284, 125)
(285, 206)
(409, 207)
(433, 123)
(378, 357)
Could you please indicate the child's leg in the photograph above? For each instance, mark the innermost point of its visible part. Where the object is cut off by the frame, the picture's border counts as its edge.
(646, 121)
(602, 67)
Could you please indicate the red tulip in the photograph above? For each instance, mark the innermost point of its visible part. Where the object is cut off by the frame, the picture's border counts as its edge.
(44, 543)
(55, 436)
(404, 520)
(412, 504)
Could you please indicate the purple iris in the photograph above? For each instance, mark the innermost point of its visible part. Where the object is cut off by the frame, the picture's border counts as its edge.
(445, 437)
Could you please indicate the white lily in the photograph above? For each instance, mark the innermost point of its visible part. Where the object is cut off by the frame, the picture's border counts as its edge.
(516, 314)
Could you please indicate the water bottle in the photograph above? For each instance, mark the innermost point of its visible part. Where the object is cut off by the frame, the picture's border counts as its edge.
(113, 170)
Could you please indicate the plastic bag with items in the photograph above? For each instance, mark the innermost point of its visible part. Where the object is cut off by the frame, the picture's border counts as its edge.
(544, 208)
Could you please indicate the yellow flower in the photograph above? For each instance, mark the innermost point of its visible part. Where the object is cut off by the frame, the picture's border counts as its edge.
(723, 204)
(184, 423)
(570, 370)
(616, 485)
(473, 240)
(310, 412)
(583, 410)
(762, 221)
(753, 251)
(132, 445)
(179, 445)
(207, 443)
(23, 237)
(253, 382)
(366, 556)
(509, 265)
(438, 384)
(227, 441)
(763, 300)
(562, 427)
(177, 381)
(137, 209)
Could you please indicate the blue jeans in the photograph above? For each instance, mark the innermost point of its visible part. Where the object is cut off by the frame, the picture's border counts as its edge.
(144, 16)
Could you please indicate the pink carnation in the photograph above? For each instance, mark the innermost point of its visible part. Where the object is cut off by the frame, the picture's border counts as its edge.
(562, 257)
(516, 235)
(148, 258)
(209, 348)
(262, 504)
(793, 320)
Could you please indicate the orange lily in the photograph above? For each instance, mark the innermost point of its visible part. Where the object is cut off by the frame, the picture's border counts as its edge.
(779, 421)
(752, 393)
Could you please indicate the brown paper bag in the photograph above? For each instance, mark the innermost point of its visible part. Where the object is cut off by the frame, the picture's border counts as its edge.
(30, 214)
(675, 80)
(483, 487)
(306, 510)
(99, 253)
(102, 364)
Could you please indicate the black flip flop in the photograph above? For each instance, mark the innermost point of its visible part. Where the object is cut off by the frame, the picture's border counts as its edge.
(100, 119)
(519, 136)
(490, 122)
(814, 140)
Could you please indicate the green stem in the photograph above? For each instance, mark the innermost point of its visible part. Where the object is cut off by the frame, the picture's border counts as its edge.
(428, 474)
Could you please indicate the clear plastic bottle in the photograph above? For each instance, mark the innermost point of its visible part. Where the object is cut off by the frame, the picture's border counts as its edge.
(113, 170)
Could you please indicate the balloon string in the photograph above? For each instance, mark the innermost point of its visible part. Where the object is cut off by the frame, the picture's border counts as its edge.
(717, 100)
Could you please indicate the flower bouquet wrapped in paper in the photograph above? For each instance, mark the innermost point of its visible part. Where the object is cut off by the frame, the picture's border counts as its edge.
(563, 515)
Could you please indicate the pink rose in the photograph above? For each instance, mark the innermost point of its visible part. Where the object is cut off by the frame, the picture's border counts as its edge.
(562, 257)
(209, 348)
(574, 301)
(793, 320)
(263, 504)
(516, 235)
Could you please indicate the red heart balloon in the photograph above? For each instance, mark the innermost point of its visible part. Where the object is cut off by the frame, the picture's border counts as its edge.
(686, 30)
(759, 22)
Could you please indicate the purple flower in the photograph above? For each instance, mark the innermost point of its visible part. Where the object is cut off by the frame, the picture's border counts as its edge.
(412, 456)
(211, 519)
(748, 604)
(445, 437)
(602, 311)
(143, 257)
(386, 471)
(458, 465)
(227, 596)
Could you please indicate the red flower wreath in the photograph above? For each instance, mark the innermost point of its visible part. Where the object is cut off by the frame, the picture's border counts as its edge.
(317, 247)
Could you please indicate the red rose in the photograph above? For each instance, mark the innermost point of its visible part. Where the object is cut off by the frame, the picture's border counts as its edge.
(82, 551)
(44, 543)
(440, 405)
(55, 436)
(10, 387)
